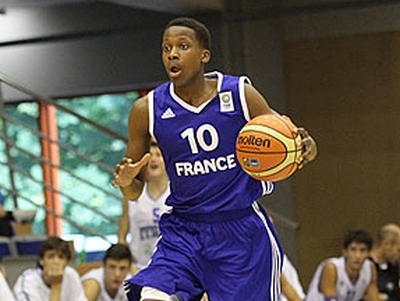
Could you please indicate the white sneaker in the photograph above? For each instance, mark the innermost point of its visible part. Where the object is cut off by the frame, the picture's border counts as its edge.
(24, 216)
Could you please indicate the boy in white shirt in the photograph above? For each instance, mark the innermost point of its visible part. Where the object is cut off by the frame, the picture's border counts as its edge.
(52, 279)
(106, 283)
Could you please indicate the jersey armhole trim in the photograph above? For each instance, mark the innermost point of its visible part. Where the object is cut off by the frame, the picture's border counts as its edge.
(150, 98)
(242, 81)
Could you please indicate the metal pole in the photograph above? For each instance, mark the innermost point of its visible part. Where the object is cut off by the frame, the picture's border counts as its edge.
(8, 150)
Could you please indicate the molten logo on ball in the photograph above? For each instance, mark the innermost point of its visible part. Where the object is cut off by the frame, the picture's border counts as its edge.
(253, 140)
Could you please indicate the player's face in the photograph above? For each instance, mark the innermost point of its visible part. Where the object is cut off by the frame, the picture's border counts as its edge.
(391, 251)
(156, 166)
(53, 259)
(115, 272)
(182, 55)
(356, 254)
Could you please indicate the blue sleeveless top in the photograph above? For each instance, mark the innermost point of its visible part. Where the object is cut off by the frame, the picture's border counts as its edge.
(198, 146)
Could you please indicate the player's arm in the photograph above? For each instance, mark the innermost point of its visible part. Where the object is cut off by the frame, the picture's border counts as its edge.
(258, 105)
(327, 282)
(55, 292)
(372, 293)
(53, 274)
(91, 288)
(129, 173)
(123, 222)
(288, 291)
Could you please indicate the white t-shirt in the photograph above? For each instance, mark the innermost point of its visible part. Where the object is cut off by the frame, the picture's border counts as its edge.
(346, 290)
(31, 287)
(98, 275)
(293, 278)
(6, 294)
(144, 215)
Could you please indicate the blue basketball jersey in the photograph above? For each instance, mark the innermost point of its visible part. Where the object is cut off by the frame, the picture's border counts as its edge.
(198, 146)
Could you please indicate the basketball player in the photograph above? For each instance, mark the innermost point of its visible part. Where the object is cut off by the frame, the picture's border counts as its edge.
(106, 283)
(142, 216)
(6, 294)
(216, 239)
(386, 254)
(53, 279)
(351, 277)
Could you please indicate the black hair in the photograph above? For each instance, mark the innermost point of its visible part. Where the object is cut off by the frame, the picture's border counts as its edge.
(202, 33)
(358, 236)
(118, 252)
(57, 244)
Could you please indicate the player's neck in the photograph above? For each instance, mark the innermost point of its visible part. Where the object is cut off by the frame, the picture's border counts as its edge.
(111, 292)
(198, 92)
(353, 274)
(157, 185)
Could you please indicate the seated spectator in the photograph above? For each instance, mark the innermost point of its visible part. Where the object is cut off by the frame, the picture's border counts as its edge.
(17, 215)
(351, 277)
(52, 279)
(6, 294)
(106, 283)
(386, 254)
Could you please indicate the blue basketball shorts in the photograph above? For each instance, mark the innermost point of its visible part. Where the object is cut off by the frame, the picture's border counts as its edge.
(232, 260)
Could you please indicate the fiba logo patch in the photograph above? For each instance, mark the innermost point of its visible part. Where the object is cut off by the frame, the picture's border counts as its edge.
(226, 102)
(251, 162)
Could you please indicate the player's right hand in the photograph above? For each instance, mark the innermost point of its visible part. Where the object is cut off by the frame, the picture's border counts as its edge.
(127, 170)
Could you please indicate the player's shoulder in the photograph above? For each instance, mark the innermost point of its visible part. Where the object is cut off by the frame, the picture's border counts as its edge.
(31, 273)
(142, 101)
(371, 265)
(140, 106)
(330, 266)
(93, 272)
(232, 78)
(71, 273)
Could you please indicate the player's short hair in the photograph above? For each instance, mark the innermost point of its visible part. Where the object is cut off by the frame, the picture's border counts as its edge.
(358, 236)
(118, 252)
(202, 33)
(57, 244)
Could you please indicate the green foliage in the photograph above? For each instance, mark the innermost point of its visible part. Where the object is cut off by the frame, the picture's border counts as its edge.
(111, 111)
(82, 183)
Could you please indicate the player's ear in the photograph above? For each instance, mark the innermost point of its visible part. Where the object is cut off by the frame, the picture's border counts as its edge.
(206, 56)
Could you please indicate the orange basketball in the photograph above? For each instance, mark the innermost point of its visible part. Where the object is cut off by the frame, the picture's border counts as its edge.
(267, 148)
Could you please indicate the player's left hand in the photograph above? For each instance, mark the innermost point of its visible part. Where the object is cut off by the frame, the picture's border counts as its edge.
(309, 147)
